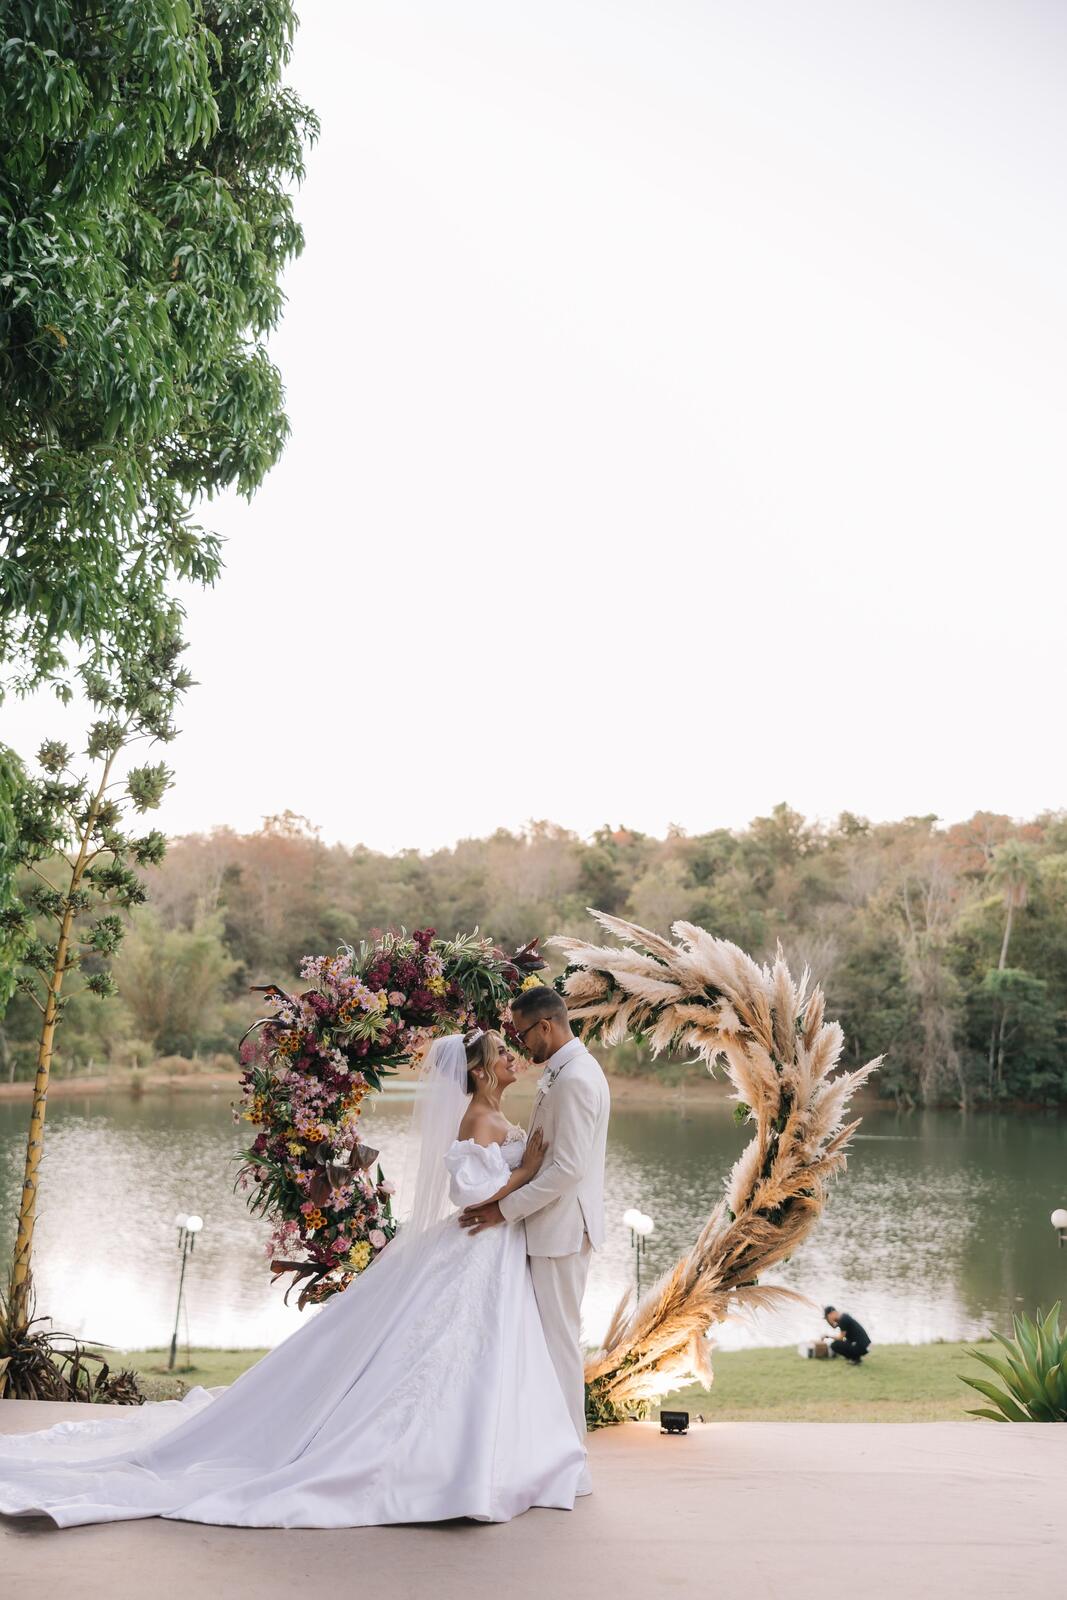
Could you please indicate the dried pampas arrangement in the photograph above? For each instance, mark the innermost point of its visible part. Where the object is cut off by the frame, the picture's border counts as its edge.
(705, 994)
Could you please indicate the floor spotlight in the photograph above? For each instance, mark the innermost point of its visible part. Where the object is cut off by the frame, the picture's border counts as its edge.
(674, 1422)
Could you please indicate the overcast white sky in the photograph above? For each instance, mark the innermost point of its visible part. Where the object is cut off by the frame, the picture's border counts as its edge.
(694, 371)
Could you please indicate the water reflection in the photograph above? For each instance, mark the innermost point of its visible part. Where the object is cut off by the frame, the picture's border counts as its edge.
(939, 1228)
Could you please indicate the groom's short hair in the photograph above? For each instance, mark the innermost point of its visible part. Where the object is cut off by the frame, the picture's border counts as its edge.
(533, 1005)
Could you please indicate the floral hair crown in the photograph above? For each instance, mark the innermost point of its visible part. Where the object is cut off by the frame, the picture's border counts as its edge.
(473, 1036)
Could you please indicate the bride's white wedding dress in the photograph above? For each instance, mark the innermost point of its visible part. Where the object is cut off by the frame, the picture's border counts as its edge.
(424, 1391)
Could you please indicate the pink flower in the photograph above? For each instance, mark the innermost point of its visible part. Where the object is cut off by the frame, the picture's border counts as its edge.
(376, 1238)
(396, 998)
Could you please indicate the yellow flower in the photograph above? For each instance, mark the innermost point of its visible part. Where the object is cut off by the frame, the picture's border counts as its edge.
(532, 982)
(295, 1149)
(359, 1255)
(436, 985)
(258, 1109)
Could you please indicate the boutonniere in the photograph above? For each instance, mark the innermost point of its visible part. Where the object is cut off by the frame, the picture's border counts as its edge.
(547, 1079)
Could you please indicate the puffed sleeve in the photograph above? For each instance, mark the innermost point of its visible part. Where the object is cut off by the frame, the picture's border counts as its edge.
(476, 1172)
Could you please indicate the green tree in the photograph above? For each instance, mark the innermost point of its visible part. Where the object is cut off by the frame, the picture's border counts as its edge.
(12, 782)
(1028, 1047)
(1012, 870)
(146, 156)
(608, 868)
(173, 982)
(925, 895)
(76, 822)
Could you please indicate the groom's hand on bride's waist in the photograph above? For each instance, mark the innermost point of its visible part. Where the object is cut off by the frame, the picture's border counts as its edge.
(475, 1218)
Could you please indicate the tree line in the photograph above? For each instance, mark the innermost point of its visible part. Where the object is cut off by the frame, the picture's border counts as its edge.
(945, 948)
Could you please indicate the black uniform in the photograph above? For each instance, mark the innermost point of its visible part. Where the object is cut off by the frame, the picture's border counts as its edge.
(852, 1341)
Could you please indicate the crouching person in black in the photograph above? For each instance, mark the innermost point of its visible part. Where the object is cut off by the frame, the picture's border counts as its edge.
(852, 1341)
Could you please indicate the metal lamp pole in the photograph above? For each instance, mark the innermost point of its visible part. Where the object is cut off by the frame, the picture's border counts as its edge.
(640, 1227)
(188, 1228)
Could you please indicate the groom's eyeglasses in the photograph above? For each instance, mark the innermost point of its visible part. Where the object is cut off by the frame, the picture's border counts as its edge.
(520, 1033)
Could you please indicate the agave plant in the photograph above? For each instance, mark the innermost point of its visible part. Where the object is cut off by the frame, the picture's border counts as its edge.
(1034, 1372)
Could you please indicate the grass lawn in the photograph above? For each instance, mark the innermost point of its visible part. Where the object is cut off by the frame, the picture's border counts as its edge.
(896, 1383)
(207, 1367)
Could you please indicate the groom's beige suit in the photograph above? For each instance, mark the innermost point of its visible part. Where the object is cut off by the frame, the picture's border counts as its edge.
(563, 1207)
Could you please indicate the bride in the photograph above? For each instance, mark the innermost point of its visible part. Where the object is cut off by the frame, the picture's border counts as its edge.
(424, 1391)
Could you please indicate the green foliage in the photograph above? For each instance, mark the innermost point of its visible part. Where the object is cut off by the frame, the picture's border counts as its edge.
(146, 160)
(1028, 1025)
(899, 922)
(1033, 1372)
(602, 1412)
(14, 925)
(1013, 869)
(65, 844)
(174, 983)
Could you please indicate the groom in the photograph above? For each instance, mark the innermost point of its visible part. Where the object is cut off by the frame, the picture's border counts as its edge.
(563, 1207)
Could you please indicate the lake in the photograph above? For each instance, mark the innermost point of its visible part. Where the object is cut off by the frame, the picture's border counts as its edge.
(938, 1230)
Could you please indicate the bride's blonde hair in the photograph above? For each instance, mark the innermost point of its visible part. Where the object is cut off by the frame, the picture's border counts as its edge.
(481, 1048)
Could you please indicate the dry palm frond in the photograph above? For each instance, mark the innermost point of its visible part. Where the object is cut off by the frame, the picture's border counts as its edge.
(705, 994)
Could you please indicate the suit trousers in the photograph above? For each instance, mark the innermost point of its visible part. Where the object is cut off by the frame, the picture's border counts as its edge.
(849, 1348)
(559, 1284)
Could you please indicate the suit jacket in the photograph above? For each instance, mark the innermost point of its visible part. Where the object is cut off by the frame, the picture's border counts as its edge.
(566, 1199)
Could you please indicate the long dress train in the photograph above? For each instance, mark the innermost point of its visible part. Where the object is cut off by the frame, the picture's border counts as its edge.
(424, 1391)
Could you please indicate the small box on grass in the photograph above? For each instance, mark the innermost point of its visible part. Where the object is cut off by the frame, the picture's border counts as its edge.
(815, 1349)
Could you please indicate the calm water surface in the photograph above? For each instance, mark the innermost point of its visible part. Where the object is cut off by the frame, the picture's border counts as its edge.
(938, 1230)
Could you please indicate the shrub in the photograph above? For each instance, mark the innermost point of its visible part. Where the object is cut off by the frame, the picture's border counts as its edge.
(176, 1066)
(1034, 1372)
